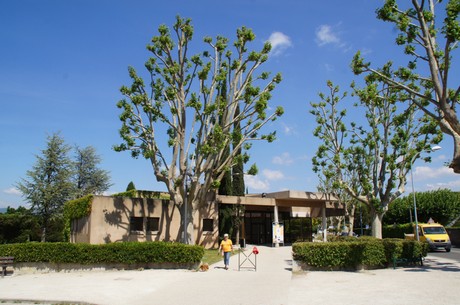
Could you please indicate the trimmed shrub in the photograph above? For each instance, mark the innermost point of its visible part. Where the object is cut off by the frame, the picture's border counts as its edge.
(352, 253)
(372, 253)
(322, 255)
(86, 254)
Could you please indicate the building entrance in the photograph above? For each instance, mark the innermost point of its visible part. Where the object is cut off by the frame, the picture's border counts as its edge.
(258, 227)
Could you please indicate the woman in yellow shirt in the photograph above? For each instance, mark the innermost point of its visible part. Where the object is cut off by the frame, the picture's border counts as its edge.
(226, 247)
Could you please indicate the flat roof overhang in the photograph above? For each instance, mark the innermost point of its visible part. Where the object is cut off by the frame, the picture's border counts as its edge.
(288, 198)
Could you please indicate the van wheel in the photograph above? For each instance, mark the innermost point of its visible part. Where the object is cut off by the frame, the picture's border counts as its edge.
(447, 249)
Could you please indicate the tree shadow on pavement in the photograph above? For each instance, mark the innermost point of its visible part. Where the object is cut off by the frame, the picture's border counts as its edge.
(433, 265)
(289, 263)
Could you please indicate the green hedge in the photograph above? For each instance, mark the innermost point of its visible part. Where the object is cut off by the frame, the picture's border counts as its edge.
(397, 231)
(354, 253)
(122, 253)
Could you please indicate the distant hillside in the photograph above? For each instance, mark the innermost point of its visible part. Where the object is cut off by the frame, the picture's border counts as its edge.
(2, 210)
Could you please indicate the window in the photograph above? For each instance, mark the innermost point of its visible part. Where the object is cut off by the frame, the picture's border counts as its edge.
(136, 224)
(208, 225)
(153, 224)
(434, 230)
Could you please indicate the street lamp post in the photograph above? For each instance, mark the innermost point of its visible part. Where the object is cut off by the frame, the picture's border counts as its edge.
(435, 148)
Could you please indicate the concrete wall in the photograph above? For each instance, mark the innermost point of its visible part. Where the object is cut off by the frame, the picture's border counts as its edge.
(110, 222)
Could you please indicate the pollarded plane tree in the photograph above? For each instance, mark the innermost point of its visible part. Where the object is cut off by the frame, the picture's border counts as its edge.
(380, 151)
(332, 130)
(180, 123)
(430, 39)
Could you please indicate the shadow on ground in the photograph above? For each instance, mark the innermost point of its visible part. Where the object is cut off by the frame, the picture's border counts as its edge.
(434, 265)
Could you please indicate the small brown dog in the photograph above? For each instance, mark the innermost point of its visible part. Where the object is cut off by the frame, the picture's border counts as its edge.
(204, 267)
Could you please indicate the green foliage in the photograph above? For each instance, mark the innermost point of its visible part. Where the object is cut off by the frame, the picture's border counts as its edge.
(89, 179)
(442, 205)
(18, 226)
(128, 194)
(184, 98)
(133, 193)
(397, 230)
(394, 131)
(324, 255)
(55, 178)
(75, 209)
(351, 253)
(130, 186)
(428, 38)
(85, 254)
(49, 185)
(78, 208)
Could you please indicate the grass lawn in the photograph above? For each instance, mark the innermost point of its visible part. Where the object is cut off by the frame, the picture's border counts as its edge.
(212, 256)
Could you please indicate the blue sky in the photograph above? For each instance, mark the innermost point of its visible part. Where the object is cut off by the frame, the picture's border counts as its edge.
(62, 64)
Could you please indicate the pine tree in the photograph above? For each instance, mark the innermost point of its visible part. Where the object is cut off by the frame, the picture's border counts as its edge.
(89, 179)
(49, 184)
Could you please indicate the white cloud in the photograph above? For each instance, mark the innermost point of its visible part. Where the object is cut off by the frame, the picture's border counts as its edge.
(12, 191)
(284, 159)
(255, 183)
(452, 185)
(288, 129)
(326, 34)
(280, 42)
(440, 177)
(273, 174)
(441, 157)
(426, 172)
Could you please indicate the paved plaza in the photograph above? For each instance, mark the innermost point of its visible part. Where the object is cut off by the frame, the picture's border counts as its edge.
(273, 283)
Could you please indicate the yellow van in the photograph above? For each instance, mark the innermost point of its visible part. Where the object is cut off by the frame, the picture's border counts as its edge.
(435, 235)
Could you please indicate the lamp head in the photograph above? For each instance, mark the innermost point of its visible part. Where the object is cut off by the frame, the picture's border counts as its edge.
(435, 148)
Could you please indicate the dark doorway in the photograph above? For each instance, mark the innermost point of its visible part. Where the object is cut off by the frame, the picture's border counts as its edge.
(258, 227)
(297, 229)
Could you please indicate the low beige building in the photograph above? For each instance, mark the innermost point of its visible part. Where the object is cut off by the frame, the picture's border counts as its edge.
(116, 219)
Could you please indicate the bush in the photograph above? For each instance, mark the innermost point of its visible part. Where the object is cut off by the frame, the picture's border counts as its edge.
(397, 231)
(86, 254)
(354, 253)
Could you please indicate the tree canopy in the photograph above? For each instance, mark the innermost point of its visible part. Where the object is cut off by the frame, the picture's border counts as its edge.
(370, 161)
(181, 100)
(441, 205)
(49, 184)
(429, 37)
(56, 178)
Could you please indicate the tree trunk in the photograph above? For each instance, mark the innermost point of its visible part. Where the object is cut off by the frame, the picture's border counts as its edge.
(351, 220)
(339, 224)
(187, 228)
(377, 224)
(44, 227)
(455, 164)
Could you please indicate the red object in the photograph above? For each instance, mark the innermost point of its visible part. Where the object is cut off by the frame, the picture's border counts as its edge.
(255, 251)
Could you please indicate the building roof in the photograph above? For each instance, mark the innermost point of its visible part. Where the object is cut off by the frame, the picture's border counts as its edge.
(288, 198)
